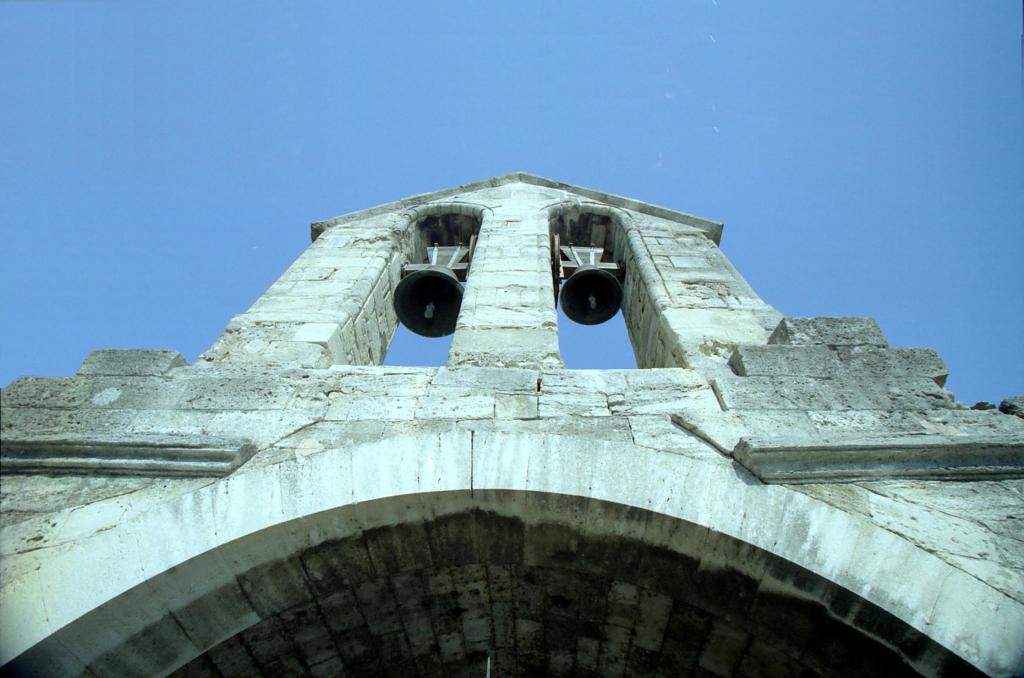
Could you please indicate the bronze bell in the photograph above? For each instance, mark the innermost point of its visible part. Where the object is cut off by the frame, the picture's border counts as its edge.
(427, 301)
(591, 295)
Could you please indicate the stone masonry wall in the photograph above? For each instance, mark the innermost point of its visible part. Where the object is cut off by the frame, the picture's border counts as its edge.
(828, 491)
(332, 306)
(508, 314)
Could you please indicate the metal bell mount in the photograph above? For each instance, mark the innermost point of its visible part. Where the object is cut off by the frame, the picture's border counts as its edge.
(429, 295)
(592, 288)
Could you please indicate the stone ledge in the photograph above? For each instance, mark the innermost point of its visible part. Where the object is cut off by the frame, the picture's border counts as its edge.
(791, 459)
(140, 455)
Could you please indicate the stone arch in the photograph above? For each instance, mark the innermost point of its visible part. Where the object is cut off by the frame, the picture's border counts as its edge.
(460, 218)
(441, 233)
(766, 571)
(644, 293)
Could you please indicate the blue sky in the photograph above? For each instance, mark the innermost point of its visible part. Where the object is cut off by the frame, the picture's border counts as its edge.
(160, 162)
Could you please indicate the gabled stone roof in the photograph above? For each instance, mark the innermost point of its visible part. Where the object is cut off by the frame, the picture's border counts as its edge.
(712, 228)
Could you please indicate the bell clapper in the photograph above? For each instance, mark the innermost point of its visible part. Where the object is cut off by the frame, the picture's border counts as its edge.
(592, 300)
(428, 312)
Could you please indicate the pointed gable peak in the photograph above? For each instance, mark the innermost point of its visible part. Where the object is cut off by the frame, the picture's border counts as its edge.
(713, 229)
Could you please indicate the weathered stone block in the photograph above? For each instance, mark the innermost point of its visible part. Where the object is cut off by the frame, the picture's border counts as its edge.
(1014, 406)
(327, 335)
(593, 428)
(458, 407)
(828, 331)
(206, 618)
(135, 393)
(869, 361)
(281, 354)
(42, 392)
(661, 380)
(664, 401)
(345, 407)
(847, 393)
(583, 381)
(724, 649)
(131, 362)
(573, 404)
(783, 360)
(505, 347)
(503, 380)
(251, 392)
(510, 406)
(396, 381)
(232, 659)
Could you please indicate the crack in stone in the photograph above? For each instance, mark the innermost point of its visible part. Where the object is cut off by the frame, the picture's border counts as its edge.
(696, 432)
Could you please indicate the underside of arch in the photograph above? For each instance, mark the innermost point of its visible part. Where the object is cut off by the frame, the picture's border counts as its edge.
(533, 584)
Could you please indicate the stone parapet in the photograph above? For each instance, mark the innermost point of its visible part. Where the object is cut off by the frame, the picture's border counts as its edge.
(826, 400)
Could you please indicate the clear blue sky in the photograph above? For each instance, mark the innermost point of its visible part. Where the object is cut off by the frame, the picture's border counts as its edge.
(160, 162)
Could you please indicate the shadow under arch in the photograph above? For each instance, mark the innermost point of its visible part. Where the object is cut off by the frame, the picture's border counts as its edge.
(534, 582)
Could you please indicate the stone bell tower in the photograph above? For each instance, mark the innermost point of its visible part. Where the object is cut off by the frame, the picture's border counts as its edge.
(763, 496)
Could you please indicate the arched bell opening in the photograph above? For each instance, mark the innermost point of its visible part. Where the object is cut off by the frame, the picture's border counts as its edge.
(589, 275)
(530, 583)
(428, 295)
